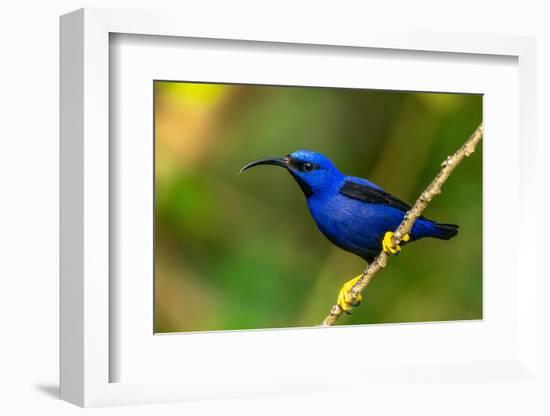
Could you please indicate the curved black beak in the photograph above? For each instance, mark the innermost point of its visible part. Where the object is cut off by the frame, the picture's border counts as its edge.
(281, 161)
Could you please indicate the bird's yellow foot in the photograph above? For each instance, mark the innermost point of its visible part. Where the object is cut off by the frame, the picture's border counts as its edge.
(387, 245)
(344, 298)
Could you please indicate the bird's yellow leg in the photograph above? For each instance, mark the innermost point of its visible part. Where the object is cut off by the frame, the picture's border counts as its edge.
(344, 297)
(387, 245)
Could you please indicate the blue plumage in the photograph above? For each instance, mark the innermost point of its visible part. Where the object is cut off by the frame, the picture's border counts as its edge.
(351, 212)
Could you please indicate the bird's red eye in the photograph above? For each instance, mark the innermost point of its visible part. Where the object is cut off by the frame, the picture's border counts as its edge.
(308, 167)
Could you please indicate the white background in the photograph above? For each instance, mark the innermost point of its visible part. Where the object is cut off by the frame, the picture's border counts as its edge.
(29, 205)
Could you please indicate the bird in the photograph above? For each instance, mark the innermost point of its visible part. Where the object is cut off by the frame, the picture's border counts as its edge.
(353, 213)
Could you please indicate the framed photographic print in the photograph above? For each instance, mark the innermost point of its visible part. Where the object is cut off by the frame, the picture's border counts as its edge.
(220, 190)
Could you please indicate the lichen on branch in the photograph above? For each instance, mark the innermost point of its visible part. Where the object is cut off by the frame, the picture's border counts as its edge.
(380, 262)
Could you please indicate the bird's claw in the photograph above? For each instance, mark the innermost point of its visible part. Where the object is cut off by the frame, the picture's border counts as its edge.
(345, 300)
(387, 245)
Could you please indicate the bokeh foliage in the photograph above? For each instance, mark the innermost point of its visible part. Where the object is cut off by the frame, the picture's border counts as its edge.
(241, 251)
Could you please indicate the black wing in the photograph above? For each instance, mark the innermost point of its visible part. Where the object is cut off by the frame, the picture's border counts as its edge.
(366, 193)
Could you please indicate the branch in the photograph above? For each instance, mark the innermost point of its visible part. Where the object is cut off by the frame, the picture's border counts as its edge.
(410, 217)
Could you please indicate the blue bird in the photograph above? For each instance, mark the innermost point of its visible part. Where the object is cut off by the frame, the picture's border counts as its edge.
(353, 213)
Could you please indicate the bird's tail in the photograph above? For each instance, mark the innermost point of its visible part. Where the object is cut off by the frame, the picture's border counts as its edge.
(446, 231)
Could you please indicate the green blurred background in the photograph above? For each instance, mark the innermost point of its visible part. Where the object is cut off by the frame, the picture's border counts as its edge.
(241, 251)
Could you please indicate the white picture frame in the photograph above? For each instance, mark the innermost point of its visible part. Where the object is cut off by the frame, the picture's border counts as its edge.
(87, 165)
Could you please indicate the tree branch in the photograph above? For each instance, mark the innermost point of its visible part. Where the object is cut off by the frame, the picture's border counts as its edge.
(410, 217)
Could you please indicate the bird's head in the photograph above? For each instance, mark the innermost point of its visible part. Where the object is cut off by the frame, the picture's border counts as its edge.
(314, 172)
